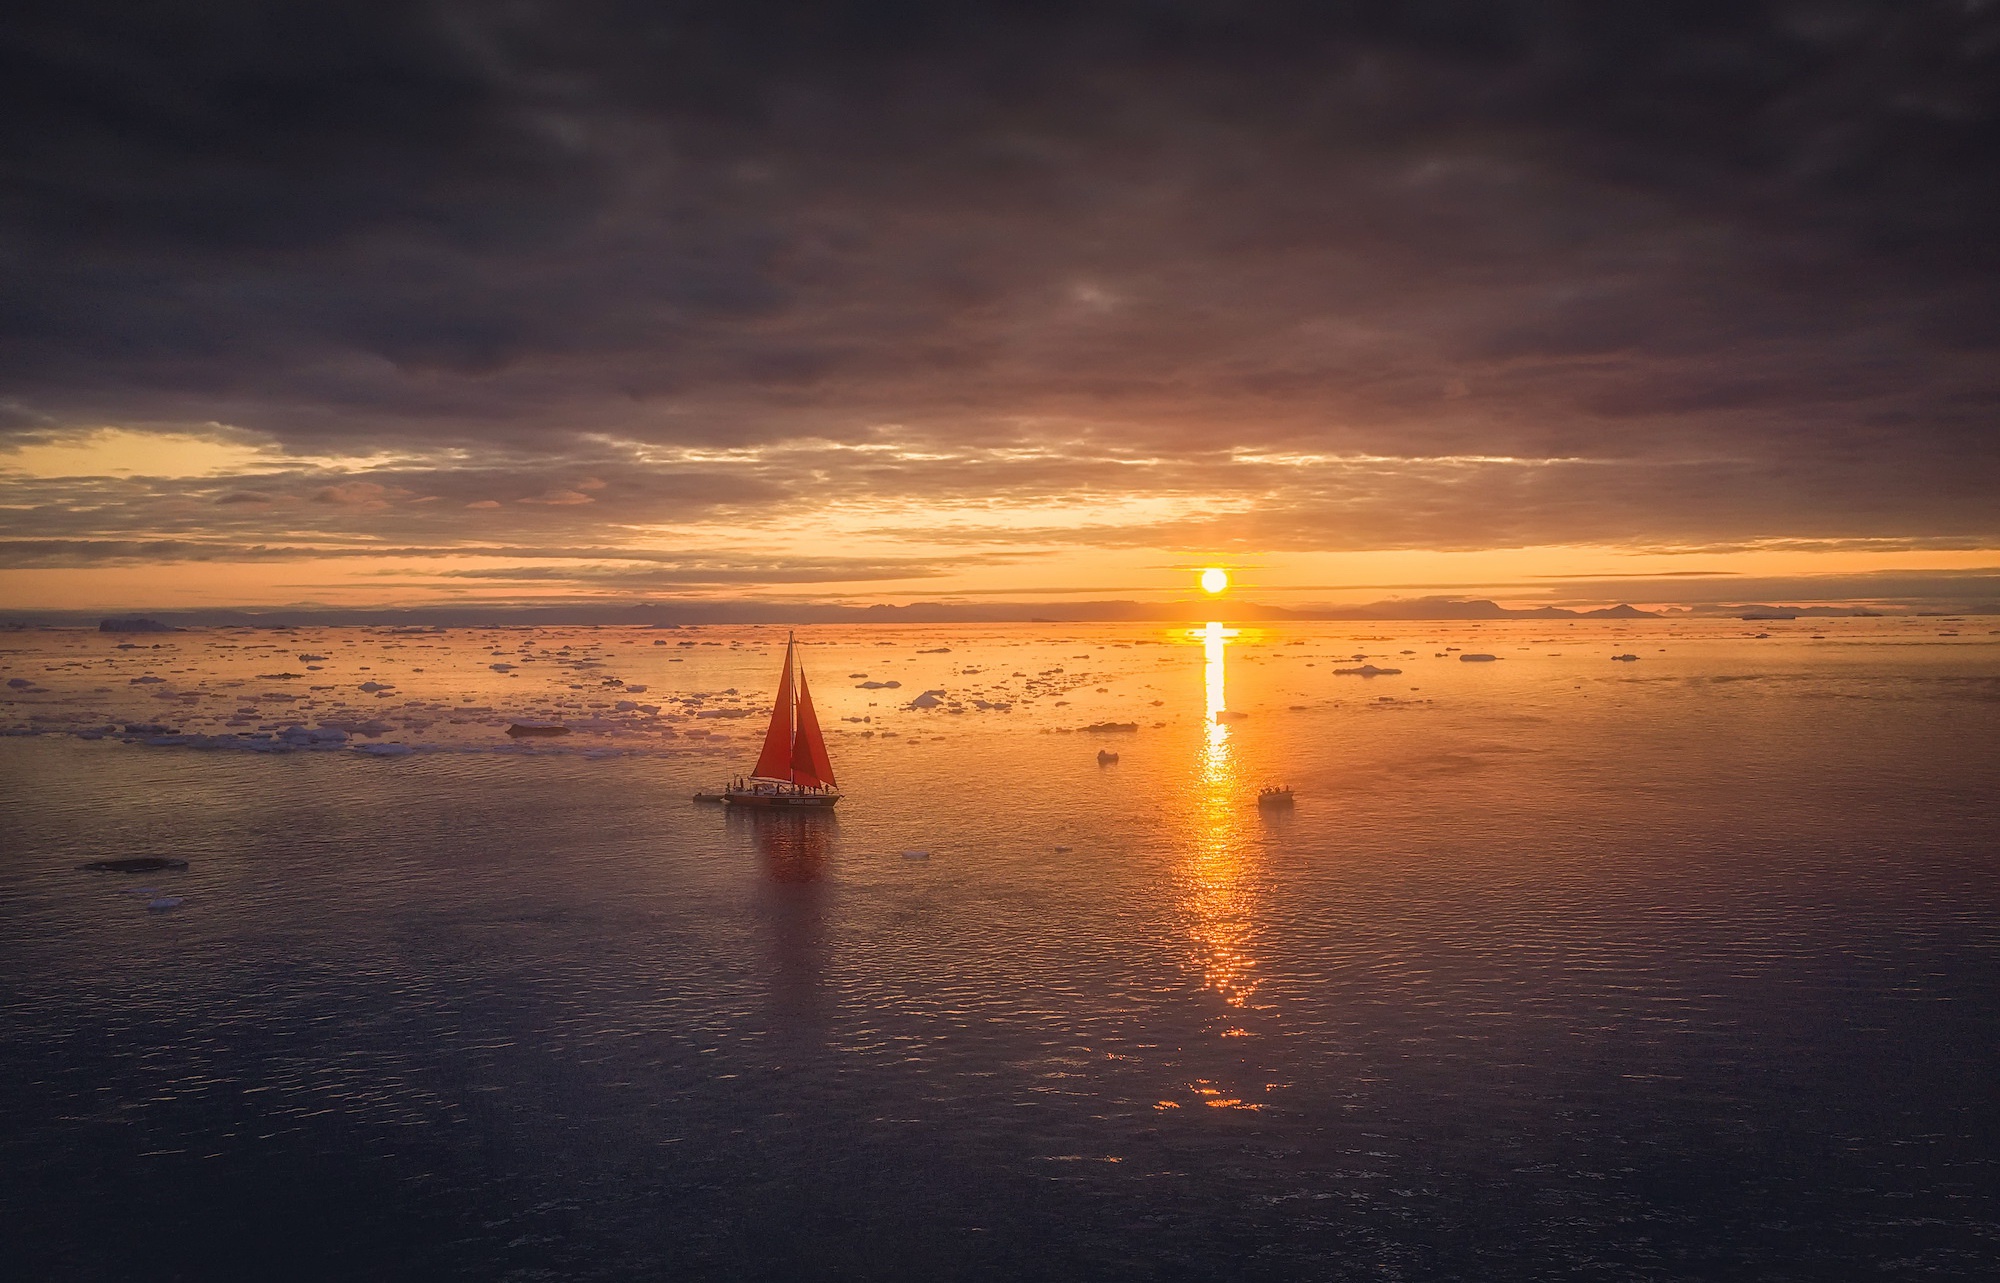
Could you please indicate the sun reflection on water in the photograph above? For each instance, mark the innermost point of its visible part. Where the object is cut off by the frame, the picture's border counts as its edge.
(1214, 895)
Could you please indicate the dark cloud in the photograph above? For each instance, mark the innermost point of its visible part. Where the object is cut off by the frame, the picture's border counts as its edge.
(600, 567)
(1737, 261)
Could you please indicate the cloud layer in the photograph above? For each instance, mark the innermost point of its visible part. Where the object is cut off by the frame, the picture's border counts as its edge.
(1312, 278)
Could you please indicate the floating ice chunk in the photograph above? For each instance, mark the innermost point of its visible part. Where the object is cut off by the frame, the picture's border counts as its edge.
(137, 864)
(501, 668)
(1229, 715)
(916, 855)
(372, 687)
(1624, 658)
(1366, 670)
(1477, 659)
(163, 903)
(929, 699)
(315, 736)
(879, 686)
(385, 750)
(634, 690)
(1110, 727)
(136, 681)
(374, 726)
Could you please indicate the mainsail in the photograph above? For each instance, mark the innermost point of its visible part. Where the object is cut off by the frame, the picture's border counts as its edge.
(794, 749)
(775, 762)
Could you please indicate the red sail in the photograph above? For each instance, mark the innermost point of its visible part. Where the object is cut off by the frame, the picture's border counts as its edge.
(775, 762)
(810, 766)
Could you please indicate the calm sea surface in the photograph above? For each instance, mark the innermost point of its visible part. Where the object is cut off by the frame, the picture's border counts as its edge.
(1563, 967)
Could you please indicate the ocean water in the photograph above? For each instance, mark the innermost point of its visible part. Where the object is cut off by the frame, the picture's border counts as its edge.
(1685, 966)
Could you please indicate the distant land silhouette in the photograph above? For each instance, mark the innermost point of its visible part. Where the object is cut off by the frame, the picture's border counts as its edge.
(668, 614)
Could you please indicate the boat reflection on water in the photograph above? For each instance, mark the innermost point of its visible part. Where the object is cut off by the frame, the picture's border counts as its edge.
(794, 849)
(1215, 895)
(792, 846)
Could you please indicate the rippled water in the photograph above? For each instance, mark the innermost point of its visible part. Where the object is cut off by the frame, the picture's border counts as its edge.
(1686, 966)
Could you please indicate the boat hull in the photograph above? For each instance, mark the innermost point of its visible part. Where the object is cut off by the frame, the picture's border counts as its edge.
(773, 801)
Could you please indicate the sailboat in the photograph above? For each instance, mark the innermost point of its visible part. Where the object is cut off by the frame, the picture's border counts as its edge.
(793, 770)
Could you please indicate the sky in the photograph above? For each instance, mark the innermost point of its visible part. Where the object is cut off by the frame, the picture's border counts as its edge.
(401, 303)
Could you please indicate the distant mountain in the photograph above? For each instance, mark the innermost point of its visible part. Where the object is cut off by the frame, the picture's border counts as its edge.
(677, 613)
(135, 625)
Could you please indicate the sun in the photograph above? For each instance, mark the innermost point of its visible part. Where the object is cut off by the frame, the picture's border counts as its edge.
(1214, 579)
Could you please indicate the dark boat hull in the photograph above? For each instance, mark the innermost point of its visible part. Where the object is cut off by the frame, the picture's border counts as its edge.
(800, 801)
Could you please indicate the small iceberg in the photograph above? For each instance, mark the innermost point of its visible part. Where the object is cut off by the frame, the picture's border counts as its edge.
(916, 855)
(1106, 757)
(1477, 659)
(536, 728)
(1367, 670)
(136, 864)
(163, 903)
(1625, 659)
(314, 737)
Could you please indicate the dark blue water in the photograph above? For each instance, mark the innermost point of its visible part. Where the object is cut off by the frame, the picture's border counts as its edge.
(1579, 977)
